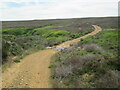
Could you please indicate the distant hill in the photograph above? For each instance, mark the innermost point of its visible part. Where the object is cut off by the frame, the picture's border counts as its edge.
(74, 24)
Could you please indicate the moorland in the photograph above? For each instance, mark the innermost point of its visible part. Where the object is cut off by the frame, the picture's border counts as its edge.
(92, 62)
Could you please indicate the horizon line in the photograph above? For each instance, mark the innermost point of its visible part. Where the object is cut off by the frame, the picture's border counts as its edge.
(60, 18)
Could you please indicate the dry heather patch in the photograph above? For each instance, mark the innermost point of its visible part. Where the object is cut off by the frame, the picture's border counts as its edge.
(92, 47)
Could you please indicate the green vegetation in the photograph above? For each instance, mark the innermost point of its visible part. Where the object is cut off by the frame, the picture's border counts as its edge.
(16, 41)
(110, 29)
(108, 40)
(94, 65)
(14, 31)
(50, 34)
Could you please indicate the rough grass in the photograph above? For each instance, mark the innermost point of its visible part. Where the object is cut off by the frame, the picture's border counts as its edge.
(110, 29)
(14, 31)
(108, 40)
(21, 39)
(94, 65)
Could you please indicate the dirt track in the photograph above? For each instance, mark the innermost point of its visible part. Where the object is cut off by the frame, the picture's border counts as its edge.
(68, 43)
(33, 71)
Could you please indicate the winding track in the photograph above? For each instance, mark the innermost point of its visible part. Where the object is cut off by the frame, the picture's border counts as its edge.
(33, 71)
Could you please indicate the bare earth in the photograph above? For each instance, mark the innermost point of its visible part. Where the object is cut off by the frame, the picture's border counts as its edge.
(33, 71)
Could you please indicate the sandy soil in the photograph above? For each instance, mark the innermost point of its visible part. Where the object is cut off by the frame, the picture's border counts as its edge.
(33, 71)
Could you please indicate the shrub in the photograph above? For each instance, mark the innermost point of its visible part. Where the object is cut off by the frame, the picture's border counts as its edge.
(92, 47)
(63, 71)
(92, 66)
(7, 37)
(82, 83)
(15, 31)
(89, 57)
(68, 50)
(93, 63)
(17, 60)
(76, 62)
(5, 50)
(15, 49)
(110, 79)
(86, 63)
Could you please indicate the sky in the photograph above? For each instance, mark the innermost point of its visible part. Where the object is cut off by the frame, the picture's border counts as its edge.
(56, 9)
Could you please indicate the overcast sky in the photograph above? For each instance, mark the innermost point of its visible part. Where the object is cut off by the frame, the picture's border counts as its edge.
(52, 9)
